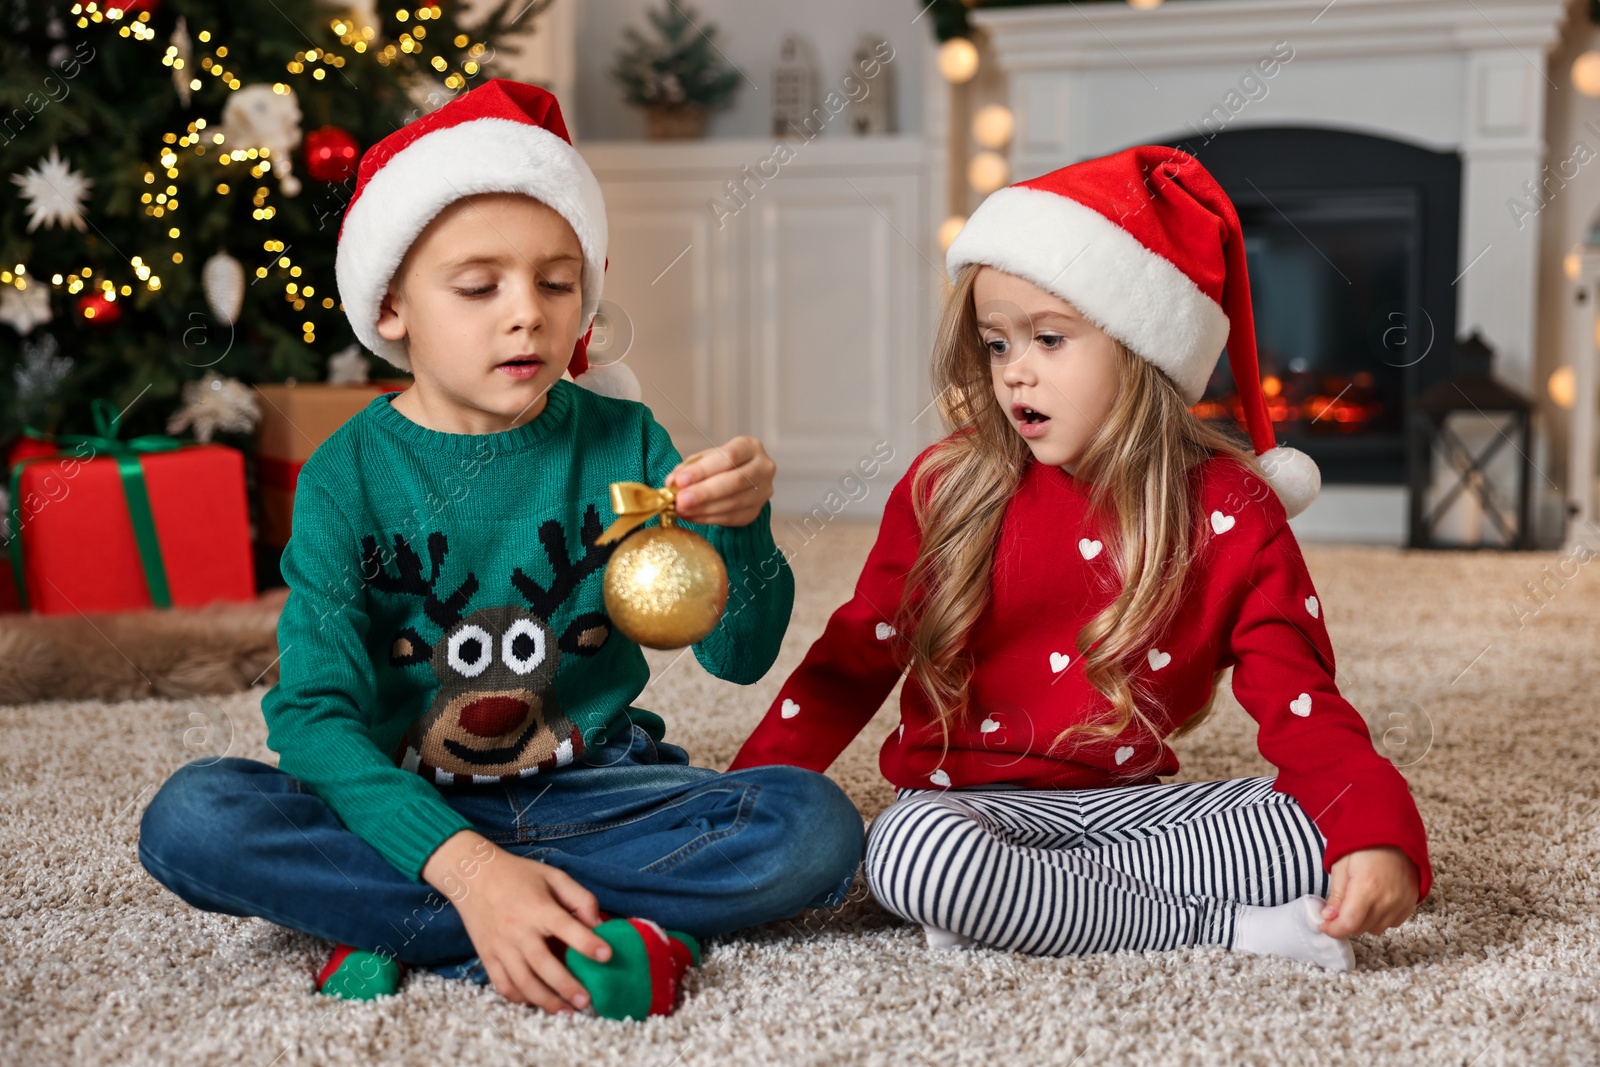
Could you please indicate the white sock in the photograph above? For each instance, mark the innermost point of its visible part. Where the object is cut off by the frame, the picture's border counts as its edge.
(1291, 930)
(938, 938)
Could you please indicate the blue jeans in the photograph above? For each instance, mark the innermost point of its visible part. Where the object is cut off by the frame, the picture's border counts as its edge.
(647, 834)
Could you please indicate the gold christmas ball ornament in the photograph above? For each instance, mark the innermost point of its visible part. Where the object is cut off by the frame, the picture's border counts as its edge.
(665, 587)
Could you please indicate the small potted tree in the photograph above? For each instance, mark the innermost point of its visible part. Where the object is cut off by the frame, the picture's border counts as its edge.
(678, 76)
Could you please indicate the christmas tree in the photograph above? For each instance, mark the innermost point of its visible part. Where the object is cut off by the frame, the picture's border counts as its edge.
(176, 172)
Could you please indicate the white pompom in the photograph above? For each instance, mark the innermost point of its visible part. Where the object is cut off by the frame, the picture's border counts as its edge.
(1294, 477)
(611, 379)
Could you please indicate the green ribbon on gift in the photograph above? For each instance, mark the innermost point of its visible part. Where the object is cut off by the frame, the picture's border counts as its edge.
(104, 442)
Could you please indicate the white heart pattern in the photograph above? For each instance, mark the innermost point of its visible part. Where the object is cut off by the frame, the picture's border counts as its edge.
(902, 731)
(790, 708)
(1158, 658)
(1312, 606)
(1058, 662)
(1123, 753)
(885, 631)
(1221, 523)
(988, 726)
(1301, 705)
(939, 778)
(1090, 549)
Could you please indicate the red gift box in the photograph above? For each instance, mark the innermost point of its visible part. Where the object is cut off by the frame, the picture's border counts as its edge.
(73, 525)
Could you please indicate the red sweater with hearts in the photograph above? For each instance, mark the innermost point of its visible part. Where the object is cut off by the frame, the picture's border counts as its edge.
(1249, 604)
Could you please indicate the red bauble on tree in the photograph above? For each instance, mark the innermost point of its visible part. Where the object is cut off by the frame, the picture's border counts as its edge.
(331, 154)
(96, 309)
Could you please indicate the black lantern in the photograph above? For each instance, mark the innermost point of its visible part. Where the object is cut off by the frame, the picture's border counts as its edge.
(1469, 390)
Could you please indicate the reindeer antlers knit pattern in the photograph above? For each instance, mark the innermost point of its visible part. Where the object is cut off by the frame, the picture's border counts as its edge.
(494, 716)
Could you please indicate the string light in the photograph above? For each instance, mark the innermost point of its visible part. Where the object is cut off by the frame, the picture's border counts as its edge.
(317, 61)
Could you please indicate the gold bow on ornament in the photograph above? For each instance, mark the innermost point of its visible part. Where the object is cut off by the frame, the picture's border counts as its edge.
(635, 503)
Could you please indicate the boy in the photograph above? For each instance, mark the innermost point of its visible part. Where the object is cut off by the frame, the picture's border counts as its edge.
(454, 707)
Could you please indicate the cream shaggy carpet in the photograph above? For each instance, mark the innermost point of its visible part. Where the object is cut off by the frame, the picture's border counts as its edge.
(103, 966)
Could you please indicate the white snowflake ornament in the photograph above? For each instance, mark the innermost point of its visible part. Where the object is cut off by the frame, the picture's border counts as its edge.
(348, 366)
(55, 193)
(23, 309)
(258, 117)
(41, 371)
(213, 404)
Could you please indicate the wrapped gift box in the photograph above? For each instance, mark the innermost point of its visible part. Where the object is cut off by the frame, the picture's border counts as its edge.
(295, 419)
(77, 543)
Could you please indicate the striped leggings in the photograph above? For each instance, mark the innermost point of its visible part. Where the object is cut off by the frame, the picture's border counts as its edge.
(1074, 871)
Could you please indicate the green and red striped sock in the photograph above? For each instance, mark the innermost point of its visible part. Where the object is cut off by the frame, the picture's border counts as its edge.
(351, 974)
(641, 977)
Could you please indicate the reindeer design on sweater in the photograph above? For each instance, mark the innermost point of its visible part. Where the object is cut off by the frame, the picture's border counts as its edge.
(495, 716)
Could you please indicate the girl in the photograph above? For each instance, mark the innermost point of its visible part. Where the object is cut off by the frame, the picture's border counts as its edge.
(1067, 574)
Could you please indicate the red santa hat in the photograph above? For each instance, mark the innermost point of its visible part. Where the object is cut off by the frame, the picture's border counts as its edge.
(502, 137)
(1148, 247)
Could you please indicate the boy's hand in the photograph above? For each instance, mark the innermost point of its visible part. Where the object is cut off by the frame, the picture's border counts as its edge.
(1373, 889)
(731, 483)
(512, 908)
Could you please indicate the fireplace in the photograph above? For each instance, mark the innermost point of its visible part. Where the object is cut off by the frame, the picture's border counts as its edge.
(1351, 241)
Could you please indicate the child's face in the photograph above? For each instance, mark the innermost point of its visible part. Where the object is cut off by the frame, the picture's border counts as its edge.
(488, 304)
(1045, 356)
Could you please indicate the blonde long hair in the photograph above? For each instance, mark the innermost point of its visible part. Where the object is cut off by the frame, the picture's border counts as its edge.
(1142, 464)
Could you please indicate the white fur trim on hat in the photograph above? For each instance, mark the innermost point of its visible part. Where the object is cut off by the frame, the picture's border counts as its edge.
(1130, 292)
(489, 155)
(1294, 477)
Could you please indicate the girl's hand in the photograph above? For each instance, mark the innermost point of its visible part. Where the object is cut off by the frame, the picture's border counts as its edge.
(519, 913)
(1373, 889)
(731, 483)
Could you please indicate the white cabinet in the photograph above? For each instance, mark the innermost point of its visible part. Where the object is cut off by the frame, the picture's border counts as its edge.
(793, 298)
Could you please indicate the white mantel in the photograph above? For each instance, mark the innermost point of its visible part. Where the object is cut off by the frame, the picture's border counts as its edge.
(1462, 75)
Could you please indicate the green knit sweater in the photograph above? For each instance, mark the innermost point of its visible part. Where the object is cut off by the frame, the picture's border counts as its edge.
(445, 626)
